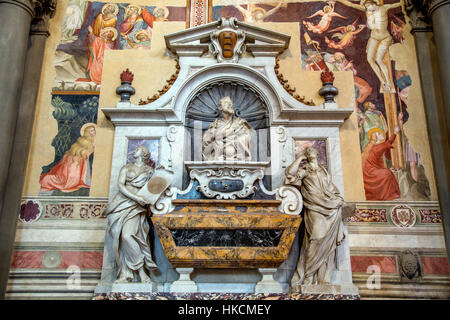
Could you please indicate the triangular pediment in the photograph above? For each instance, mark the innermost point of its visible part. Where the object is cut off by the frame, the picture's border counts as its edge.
(256, 40)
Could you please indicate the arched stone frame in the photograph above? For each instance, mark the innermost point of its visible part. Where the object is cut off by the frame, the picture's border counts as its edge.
(223, 72)
(227, 72)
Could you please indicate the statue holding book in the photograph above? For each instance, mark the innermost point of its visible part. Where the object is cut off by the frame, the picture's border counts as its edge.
(127, 225)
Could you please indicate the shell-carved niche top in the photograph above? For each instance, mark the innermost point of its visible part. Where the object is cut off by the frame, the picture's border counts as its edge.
(247, 104)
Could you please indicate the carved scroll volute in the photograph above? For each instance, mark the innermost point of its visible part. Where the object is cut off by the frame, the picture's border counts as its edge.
(228, 41)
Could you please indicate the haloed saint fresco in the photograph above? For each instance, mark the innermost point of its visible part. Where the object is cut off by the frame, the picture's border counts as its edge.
(91, 28)
(357, 36)
(70, 172)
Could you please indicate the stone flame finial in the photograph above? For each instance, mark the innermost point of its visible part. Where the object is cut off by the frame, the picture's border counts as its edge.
(327, 77)
(126, 76)
(328, 91)
(125, 90)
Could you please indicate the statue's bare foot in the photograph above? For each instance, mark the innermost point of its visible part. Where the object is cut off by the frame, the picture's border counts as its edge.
(308, 280)
(123, 280)
(146, 280)
(144, 277)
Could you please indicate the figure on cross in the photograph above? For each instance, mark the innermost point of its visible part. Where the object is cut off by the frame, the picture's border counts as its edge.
(380, 39)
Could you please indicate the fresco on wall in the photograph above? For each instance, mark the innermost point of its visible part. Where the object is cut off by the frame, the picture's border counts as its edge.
(152, 146)
(70, 172)
(320, 145)
(90, 28)
(357, 36)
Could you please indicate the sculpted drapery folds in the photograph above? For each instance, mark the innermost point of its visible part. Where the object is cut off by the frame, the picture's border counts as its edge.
(227, 138)
(323, 221)
(127, 224)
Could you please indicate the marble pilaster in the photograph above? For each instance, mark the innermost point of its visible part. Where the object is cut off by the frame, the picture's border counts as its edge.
(439, 11)
(432, 39)
(21, 49)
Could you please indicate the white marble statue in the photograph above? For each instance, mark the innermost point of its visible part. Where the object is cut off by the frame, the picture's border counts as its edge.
(127, 220)
(227, 138)
(323, 221)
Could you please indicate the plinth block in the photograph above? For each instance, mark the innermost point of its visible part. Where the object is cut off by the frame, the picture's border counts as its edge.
(184, 283)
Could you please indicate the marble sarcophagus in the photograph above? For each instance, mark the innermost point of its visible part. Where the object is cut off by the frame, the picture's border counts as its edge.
(226, 234)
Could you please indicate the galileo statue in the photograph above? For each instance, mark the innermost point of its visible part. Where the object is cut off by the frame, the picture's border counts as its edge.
(323, 220)
(127, 223)
(227, 138)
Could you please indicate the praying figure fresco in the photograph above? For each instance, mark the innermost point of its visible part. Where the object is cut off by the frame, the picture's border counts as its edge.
(70, 172)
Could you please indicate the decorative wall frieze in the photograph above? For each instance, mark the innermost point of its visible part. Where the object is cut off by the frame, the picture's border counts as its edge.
(199, 12)
(288, 87)
(33, 209)
(402, 215)
(166, 87)
(430, 215)
(368, 215)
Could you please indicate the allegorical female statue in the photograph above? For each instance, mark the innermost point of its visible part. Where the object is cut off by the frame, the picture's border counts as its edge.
(127, 220)
(323, 221)
(227, 138)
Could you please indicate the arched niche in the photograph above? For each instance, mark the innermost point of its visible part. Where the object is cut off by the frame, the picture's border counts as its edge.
(254, 99)
(203, 109)
(247, 103)
(227, 73)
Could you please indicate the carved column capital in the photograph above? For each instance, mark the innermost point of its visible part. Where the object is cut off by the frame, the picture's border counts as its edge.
(44, 10)
(41, 11)
(432, 5)
(418, 15)
(26, 5)
(420, 11)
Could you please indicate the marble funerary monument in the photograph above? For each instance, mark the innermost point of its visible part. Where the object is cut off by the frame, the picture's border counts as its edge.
(226, 196)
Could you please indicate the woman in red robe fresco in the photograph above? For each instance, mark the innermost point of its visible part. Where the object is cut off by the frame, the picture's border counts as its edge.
(97, 47)
(71, 172)
(379, 182)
